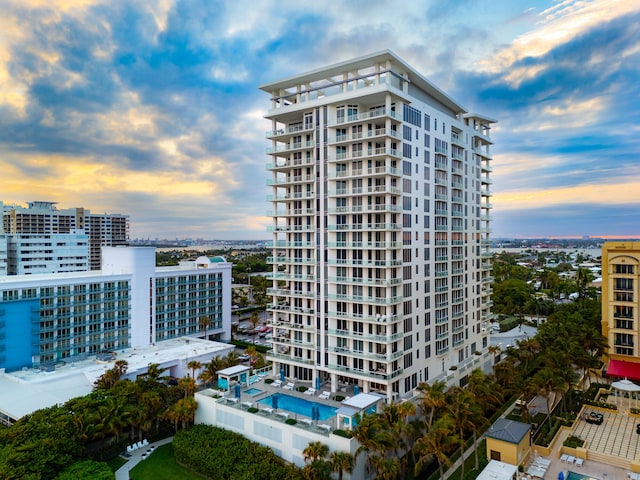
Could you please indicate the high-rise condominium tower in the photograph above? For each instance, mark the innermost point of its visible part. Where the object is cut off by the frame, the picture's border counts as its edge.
(381, 199)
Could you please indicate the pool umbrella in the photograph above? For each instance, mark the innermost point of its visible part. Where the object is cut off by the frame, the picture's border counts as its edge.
(315, 413)
(237, 391)
(356, 390)
(282, 374)
(318, 383)
(560, 476)
(274, 401)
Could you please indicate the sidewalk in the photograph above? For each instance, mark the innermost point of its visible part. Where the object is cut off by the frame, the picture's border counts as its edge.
(136, 457)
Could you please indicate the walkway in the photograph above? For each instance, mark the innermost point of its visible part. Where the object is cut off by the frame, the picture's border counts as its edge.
(136, 457)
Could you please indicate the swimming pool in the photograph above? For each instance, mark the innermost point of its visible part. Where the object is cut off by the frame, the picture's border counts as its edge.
(252, 391)
(298, 405)
(578, 476)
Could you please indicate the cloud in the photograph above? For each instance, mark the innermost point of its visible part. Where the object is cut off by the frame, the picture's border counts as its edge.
(158, 101)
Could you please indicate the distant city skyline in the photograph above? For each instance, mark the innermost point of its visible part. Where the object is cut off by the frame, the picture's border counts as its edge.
(153, 110)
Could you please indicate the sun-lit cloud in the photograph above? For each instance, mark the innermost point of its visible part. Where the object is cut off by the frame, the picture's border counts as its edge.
(152, 108)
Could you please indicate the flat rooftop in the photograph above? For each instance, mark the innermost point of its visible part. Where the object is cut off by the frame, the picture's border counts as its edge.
(30, 389)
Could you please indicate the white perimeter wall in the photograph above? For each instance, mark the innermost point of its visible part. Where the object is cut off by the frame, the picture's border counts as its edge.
(287, 441)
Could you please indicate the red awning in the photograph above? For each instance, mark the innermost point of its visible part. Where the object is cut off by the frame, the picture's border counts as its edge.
(620, 368)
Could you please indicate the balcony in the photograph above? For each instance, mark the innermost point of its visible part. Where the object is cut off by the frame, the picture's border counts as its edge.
(378, 113)
(290, 276)
(365, 245)
(384, 282)
(367, 318)
(292, 228)
(365, 172)
(379, 189)
(363, 336)
(284, 243)
(292, 213)
(354, 137)
(282, 164)
(289, 130)
(365, 227)
(366, 300)
(271, 355)
(379, 208)
(291, 260)
(290, 147)
(285, 292)
(291, 180)
(365, 263)
(369, 153)
(380, 357)
(378, 375)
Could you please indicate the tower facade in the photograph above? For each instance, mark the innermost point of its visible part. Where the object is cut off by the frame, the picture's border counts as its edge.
(44, 218)
(621, 307)
(380, 205)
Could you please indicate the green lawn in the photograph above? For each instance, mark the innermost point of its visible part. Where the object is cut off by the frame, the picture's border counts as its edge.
(161, 465)
(116, 463)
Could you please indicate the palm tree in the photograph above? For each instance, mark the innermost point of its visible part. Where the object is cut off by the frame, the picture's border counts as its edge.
(374, 437)
(254, 320)
(462, 410)
(204, 322)
(194, 365)
(315, 451)
(486, 394)
(436, 443)
(341, 462)
(433, 398)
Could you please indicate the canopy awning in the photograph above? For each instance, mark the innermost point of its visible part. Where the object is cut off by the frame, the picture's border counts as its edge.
(620, 368)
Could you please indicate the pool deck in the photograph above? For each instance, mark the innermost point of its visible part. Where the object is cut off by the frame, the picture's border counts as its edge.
(611, 447)
(246, 401)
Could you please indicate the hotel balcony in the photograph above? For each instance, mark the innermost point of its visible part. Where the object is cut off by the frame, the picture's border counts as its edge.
(282, 164)
(377, 375)
(291, 260)
(366, 172)
(369, 153)
(271, 355)
(290, 276)
(366, 263)
(366, 245)
(379, 208)
(365, 300)
(365, 227)
(364, 336)
(286, 292)
(379, 189)
(368, 115)
(291, 196)
(292, 228)
(291, 180)
(285, 132)
(298, 212)
(380, 357)
(284, 244)
(386, 319)
(354, 137)
(381, 282)
(290, 147)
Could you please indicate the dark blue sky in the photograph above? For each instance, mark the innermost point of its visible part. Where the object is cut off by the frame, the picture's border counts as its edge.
(152, 108)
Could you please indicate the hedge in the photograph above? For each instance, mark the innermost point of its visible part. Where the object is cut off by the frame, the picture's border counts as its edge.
(224, 455)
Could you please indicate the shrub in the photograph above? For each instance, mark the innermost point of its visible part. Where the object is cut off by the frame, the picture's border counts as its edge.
(220, 454)
(252, 410)
(343, 433)
(268, 381)
(573, 442)
(635, 411)
(290, 421)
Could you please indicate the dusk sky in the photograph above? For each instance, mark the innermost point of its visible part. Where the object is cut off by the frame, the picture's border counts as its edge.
(152, 108)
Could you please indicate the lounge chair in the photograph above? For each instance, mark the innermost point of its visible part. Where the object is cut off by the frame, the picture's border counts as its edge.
(267, 410)
(284, 415)
(325, 395)
(130, 448)
(571, 459)
(324, 426)
(564, 457)
(232, 400)
(247, 404)
(579, 461)
(310, 391)
(543, 462)
(277, 383)
(145, 442)
(289, 386)
(306, 421)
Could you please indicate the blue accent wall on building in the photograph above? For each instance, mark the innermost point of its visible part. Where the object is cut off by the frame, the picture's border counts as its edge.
(16, 332)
